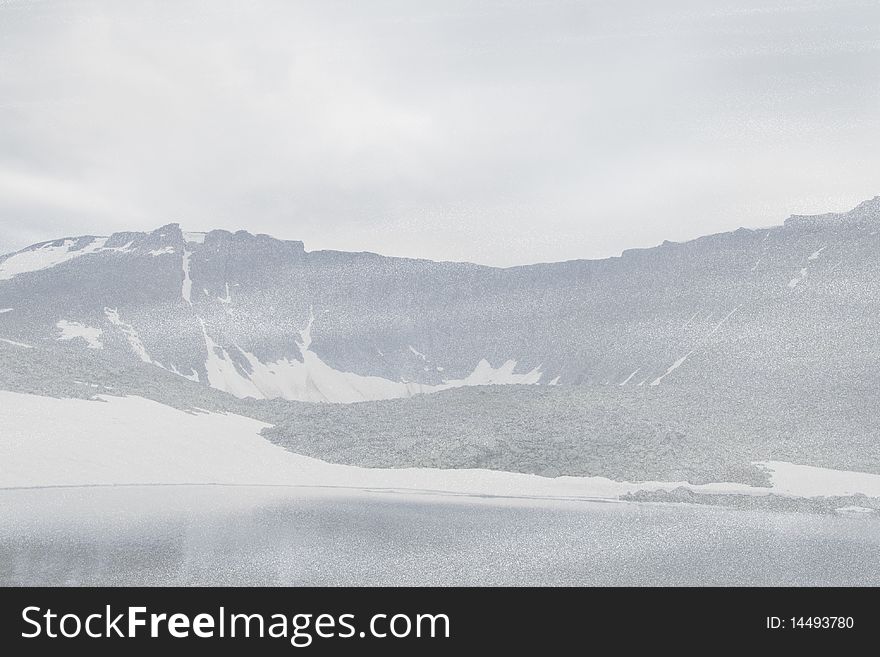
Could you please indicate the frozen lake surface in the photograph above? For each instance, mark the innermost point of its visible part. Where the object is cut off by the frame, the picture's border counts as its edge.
(245, 535)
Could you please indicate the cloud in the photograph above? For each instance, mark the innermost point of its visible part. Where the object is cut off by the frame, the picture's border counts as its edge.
(499, 131)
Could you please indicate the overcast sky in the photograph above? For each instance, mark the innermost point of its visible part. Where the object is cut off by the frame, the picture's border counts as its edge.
(496, 131)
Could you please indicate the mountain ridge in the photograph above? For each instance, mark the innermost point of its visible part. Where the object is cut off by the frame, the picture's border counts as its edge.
(686, 361)
(229, 310)
(866, 210)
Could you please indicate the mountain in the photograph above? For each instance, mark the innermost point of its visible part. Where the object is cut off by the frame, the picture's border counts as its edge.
(263, 318)
(743, 341)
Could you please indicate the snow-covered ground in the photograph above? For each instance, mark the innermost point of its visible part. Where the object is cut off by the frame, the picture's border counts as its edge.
(808, 481)
(47, 255)
(130, 440)
(75, 330)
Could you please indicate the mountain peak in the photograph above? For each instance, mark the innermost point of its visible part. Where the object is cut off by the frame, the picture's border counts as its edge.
(871, 206)
(865, 212)
(163, 231)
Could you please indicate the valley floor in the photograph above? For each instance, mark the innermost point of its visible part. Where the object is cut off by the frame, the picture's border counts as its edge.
(116, 441)
(127, 491)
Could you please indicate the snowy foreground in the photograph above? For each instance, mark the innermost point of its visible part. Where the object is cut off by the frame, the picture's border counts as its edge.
(49, 442)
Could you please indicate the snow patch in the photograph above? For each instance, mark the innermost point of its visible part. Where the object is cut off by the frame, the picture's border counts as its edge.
(223, 373)
(805, 270)
(194, 238)
(125, 248)
(672, 368)
(46, 256)
(226, 301)
(6, 310)
(134, 341)
(186, 288)
(484, 374)
(629, 378)
(313, 380)
(797, 279)
(810, 481)
(17, 344)
(130, 333)
(164, 251)
(305, 336)
(77, 331)
(854, 510)
(815, 255)
(693, 317)
(193, 376)
(719, 324)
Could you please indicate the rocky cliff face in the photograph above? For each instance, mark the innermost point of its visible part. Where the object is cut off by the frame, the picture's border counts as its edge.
(794, 307)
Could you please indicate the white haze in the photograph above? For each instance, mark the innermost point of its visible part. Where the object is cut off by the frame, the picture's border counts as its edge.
(501, 132)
